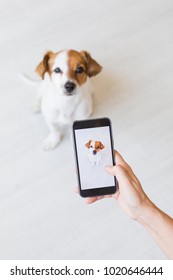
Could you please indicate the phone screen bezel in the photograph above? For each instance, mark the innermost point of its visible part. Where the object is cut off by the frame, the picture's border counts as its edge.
(93, 123)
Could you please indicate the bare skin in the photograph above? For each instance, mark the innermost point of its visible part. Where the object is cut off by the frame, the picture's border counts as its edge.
(136, 204)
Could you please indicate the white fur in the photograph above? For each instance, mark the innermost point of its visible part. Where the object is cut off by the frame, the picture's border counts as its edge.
(94, 159)
(59, 109)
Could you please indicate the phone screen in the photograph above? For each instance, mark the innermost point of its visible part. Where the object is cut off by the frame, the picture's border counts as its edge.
(94, 151)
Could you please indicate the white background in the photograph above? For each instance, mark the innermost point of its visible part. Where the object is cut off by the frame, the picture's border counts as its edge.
(41, 217)
(94, 176)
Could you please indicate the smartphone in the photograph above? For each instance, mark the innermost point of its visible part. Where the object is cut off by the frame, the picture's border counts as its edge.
(93, 145)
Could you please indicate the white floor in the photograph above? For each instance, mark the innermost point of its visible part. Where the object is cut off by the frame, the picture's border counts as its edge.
(40, 215)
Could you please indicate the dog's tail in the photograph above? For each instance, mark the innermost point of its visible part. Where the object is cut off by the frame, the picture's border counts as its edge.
(28, 80)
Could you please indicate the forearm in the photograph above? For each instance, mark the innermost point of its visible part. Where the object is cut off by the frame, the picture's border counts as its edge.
(159, 225)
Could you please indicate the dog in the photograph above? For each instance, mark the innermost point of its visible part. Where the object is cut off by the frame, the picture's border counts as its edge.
(94, 151)
(65, 92)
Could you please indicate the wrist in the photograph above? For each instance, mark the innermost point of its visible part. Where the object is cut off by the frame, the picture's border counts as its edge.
(159, 225)
(148, 212)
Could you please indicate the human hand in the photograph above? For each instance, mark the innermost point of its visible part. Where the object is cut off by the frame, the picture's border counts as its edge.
(130, 194)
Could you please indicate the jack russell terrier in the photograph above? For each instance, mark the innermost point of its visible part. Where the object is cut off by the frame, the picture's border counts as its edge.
(94, 151)
(65, 92)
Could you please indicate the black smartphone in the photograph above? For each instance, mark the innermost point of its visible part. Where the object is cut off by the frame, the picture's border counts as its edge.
(93, 145)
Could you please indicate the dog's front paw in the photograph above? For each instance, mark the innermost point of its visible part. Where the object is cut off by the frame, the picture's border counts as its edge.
(51, 142)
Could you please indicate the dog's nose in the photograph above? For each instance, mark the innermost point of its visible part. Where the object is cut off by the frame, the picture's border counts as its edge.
(69, 86)
(94, 152)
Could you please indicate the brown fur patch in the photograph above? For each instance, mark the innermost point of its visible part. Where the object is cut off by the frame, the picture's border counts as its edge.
(93, 68)
(99, 145)
(75, 60)
(88, 144)
(84, 60)
(46, 64)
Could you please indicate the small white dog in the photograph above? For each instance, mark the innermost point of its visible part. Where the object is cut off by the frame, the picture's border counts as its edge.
(94, 151)
(65, 92)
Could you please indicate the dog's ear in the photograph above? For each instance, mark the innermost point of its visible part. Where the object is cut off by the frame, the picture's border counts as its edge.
(101, 146)
(93, 68)
(88, 144)
(43, 66)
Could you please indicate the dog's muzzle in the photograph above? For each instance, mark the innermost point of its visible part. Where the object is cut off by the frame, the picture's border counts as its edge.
(69, 87)
(94, 152)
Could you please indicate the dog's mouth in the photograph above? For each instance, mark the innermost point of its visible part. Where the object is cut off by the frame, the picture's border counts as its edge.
(66, 93)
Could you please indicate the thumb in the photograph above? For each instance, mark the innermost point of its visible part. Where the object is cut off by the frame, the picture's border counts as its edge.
(117, 171)
(111, 170)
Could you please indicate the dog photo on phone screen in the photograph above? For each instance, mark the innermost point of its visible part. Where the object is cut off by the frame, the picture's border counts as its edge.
(94, 149)
(94, 153)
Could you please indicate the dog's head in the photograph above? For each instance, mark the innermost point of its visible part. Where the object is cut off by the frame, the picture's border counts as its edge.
(68, 70)
(94, 146)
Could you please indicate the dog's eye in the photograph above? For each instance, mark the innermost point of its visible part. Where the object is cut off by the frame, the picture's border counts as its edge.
(79, 70)
(57, 70)
(91, 146)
